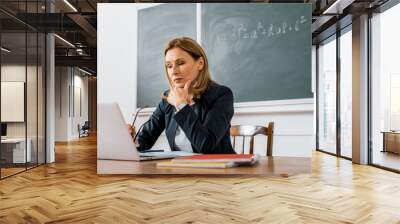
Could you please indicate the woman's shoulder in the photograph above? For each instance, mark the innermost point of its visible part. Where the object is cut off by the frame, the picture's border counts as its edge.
(216, 91)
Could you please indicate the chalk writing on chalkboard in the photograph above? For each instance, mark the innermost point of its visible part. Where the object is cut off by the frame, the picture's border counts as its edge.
(262, 30)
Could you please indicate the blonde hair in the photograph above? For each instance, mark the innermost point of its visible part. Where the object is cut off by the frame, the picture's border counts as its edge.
(201, 83)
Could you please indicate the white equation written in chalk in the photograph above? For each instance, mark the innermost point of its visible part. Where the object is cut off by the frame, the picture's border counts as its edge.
(261, 31)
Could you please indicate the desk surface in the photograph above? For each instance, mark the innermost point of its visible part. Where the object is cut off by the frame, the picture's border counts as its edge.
(391, 132)
(267, 166)
(13, 140)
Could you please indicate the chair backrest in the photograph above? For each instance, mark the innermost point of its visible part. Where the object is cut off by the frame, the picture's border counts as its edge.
(86, 125)
(251, 131)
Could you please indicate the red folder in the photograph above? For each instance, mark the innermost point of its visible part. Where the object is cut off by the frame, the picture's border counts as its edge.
(239, 158)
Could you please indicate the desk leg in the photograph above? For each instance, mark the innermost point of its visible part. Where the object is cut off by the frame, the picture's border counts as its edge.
(384, 143)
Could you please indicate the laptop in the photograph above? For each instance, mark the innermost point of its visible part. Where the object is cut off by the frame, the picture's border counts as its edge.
(114, 141)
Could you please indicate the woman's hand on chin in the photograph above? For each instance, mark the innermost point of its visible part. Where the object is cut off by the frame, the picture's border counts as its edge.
(177, 95)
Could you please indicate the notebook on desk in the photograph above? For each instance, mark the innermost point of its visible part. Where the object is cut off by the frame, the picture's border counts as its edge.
(115, 142)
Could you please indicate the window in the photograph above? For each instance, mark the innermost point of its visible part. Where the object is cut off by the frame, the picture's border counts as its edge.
(346, 92)
(385, 88)
(22, 77)
(327, 95)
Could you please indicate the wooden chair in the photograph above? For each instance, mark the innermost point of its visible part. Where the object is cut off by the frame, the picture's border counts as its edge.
(252, 130)
(83, 130)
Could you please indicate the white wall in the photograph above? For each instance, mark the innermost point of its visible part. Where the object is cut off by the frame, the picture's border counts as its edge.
(16, 73)
(293, 132)
(67, 116)
(81, 108)
(117, 63)
(116, 44)
(61, 103)
(12, 100)
(33, 126)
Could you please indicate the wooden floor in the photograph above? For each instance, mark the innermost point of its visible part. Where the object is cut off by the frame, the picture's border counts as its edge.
(70, 191)
(5, 172)
(10, 171)
(387, 159)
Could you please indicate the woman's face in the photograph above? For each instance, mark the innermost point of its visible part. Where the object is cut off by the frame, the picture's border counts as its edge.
(181, 67)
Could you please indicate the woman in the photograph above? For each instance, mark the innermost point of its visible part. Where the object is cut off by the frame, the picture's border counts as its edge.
(195, 112)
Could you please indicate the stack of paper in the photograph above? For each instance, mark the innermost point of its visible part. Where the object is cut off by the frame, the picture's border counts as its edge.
(212, 161)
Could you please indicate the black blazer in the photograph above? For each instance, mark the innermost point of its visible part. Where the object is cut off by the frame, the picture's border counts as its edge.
(206, 124)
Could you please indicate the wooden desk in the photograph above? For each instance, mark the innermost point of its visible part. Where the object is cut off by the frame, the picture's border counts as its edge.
(271, 166)
(13, 150)
(391, 141)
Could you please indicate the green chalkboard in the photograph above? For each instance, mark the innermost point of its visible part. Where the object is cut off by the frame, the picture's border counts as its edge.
(156, 26)
(261, 51)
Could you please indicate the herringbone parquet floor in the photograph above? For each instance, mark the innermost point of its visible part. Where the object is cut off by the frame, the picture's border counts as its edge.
(70, 191)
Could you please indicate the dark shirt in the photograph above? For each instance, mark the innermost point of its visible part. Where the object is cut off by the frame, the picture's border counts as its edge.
(206, 124)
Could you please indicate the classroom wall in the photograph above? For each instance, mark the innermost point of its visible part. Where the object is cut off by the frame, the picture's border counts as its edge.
(293, 132)
(117, 40)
